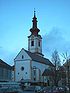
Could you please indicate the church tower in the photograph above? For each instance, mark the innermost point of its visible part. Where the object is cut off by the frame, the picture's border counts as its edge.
(35, 40)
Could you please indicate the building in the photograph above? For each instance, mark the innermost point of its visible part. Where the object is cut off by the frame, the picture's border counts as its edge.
(30, 64)
(65, 73)
(67, 70)
(5, 71)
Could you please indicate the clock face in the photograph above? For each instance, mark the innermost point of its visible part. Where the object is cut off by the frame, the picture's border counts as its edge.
(22, 68)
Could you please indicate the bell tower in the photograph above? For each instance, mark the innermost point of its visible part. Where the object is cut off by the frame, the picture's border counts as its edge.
(35, 40)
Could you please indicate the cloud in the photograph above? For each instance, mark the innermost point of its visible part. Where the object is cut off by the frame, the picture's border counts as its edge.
(55, 40)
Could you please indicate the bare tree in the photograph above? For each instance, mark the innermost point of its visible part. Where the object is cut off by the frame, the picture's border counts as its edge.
(56, 61)
(65, 56)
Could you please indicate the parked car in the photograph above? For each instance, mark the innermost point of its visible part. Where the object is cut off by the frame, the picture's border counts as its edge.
(29, 88)
(45, 90)
(52, 90)
(58, 90)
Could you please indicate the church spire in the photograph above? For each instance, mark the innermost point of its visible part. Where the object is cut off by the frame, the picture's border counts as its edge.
(34, 30)
(34, 12)
(35, 40)
(34, 20)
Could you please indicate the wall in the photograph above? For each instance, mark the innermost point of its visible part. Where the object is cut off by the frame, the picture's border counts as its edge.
(22, 62)
(5, 74)
(40, 69)
(22, 73)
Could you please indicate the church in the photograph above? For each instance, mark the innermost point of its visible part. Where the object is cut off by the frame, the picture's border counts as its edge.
(30, 64)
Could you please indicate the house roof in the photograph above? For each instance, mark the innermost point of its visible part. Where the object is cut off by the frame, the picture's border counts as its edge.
(36, 57)
(4, 65)
(62, 68)
(48, 72)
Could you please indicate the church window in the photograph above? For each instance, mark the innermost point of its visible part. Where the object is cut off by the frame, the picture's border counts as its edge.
(34, 72)
(22, 56)
(39, 43)
(18, 73)
(34, 79)
(22, 68)
(32, 43)
(26, 72)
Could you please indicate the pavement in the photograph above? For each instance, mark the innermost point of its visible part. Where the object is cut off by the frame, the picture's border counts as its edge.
(28, 92)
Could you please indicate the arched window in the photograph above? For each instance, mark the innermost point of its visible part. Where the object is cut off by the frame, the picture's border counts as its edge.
(39, 43)
(22, 56)
(32, 43)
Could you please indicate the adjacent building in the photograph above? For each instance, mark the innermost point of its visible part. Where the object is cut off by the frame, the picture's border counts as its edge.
(67, 70)
(5, 71)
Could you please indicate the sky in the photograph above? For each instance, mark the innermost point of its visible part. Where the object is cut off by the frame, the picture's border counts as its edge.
(16, 19)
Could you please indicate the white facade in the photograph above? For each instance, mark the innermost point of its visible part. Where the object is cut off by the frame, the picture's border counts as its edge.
(22, 66)
(27, 69)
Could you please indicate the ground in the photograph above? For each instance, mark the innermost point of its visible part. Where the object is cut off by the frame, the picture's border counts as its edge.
(28, 92)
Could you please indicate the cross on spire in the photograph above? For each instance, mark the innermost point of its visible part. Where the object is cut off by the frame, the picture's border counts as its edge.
(34, 12)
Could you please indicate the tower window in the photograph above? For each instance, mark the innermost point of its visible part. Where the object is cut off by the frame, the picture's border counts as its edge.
(32, 43)
(39, 43)
(34, 74)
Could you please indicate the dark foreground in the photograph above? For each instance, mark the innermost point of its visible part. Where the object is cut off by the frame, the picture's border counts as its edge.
(35, 89)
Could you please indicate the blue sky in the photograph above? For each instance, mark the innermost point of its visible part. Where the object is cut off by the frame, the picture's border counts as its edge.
(16, 19)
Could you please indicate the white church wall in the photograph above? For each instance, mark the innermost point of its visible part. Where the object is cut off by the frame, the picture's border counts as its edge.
(22, 61)
(41, 67)
(22, 70)
(38, 75)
